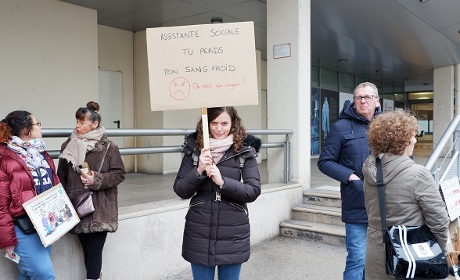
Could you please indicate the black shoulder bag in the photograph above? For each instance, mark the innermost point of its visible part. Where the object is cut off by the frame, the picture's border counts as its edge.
(410, 251)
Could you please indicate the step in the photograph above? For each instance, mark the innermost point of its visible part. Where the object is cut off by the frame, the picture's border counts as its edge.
(325, 196)
(317, 213)
(329, 234)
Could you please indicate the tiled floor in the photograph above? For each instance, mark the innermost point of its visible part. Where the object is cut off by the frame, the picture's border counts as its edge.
(139, 188)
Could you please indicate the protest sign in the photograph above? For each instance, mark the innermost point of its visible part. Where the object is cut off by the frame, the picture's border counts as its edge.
(198, 66)
(451, 191)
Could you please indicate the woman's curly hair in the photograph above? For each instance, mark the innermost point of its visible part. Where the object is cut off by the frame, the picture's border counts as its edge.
(237, 129)
(391, 132)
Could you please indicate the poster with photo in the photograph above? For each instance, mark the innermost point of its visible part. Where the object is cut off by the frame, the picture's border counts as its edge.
(344, 100)
(52, 214)
(388, 105)
(329, 111)
(314, 120)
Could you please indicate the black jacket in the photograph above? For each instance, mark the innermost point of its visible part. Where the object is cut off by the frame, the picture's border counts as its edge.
(217, 232)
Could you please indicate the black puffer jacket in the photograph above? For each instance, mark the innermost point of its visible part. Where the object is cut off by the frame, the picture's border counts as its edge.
(217, 232)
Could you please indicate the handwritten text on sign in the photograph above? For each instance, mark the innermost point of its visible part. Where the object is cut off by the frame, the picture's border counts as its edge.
(451, 191)
(205, 65)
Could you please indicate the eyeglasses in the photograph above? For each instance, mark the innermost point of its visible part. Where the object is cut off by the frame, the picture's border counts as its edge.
(38, 123)
(367, 98)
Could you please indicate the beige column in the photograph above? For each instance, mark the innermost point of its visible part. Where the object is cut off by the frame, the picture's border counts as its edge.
(443, 102)
(288, 85)
(457, 89)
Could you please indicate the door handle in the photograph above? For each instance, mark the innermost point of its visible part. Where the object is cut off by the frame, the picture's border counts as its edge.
(118, 123)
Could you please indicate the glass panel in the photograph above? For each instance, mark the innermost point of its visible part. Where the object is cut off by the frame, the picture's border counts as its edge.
(347, 83)
(388, 91)
(399, 104)
(361, 80)
(399, 93)
(329, 79)
(379, 85)
(314, 76)
(399, 90)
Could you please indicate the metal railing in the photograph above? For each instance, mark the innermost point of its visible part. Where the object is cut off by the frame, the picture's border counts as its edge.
(131, 132)
(440, 172)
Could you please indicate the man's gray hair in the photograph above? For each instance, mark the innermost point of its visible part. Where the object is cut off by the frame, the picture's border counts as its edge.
(368, 84)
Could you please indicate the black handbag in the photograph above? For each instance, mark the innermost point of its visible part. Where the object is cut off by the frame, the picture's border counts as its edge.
(410, 251)
(25, 224)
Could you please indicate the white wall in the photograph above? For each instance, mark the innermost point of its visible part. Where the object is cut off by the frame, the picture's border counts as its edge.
(145, 118)
(48, 61)
(115, 53)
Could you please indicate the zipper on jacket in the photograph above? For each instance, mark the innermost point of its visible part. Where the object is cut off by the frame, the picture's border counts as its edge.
(218, 196)
(239, 207)
(224, 158)
(195, 203)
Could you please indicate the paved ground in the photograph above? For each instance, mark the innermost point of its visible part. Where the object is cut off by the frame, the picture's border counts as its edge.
(289, 258)
(295, 258)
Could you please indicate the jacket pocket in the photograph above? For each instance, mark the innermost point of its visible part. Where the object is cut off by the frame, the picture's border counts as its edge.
(236, 205)
(353, 195)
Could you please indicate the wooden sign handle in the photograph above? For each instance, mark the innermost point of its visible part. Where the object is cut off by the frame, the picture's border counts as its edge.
(204, 120)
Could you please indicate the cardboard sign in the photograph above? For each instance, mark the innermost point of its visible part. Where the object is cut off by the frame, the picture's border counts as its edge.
(52, 214)
(196, 66)
(451, 191)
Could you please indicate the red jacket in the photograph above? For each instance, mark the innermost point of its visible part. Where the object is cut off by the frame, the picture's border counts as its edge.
(16, 187)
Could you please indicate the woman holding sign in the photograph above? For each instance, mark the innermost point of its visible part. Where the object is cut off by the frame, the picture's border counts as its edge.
(26, 170)
(89, 146)
(220, 180)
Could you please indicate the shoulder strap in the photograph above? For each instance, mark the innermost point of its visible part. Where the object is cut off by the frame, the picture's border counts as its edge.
(381, 191)
(102, 162)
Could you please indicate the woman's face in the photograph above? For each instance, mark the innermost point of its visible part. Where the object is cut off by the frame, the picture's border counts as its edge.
(410, 147)
(84, 126)
(220, 127)
(36, 130)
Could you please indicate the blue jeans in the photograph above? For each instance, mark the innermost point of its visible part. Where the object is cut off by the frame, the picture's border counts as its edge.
(35, 262)
(225, 272)
(355, 241)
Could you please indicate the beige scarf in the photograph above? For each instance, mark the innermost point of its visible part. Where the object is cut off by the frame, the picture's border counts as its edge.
(79, 145)
(218, 147)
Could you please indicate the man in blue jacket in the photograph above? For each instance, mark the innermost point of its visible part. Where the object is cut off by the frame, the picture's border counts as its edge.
(342, 156)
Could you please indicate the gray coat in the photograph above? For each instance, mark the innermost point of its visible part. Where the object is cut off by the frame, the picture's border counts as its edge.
(412, 198)
(105, 191)
(217, 232)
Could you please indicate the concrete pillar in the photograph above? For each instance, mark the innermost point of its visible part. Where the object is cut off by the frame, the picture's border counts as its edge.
(288, 88)
(443, 102)
(457, 89)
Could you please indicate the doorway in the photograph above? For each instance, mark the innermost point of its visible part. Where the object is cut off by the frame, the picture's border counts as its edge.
(424, 114)
(111, 101)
